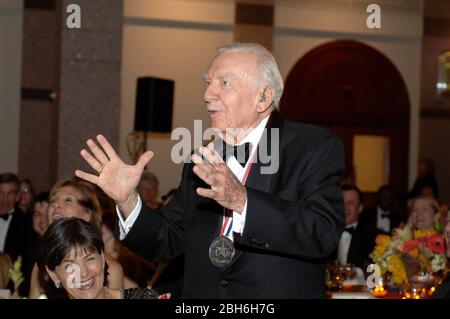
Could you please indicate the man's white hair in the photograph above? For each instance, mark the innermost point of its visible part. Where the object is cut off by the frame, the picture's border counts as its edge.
(267, 66)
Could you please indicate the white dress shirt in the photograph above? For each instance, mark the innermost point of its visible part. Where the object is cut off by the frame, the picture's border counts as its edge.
(383, 223)
(238, 219)
(344, 244)
(4, 226)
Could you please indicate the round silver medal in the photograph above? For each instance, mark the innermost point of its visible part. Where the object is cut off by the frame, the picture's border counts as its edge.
(221, 251)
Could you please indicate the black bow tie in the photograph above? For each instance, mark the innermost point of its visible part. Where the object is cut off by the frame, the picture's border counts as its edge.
(5, 217)
(240, 152)
(350, 230)
(384, 215)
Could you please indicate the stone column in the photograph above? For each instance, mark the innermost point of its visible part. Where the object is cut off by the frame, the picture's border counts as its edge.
(70, 85)
(38, 111)
(254, 22)
(89, 79)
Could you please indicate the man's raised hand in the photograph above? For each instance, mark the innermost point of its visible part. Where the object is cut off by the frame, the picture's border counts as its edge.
(225, 189)
(117, 179)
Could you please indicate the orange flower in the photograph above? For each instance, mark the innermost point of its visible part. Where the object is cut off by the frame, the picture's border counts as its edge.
(415, 252)
(410, 245)
(436, 244)
(382, 240)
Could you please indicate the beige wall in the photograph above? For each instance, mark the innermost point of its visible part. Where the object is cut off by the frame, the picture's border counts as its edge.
(434, 145)
(175, 38)
(10, 61)
(152, 46)
(302, 26)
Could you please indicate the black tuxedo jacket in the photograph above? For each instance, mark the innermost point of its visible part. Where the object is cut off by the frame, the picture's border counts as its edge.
(369, 219)
(362, 245)
(294, 221)
(18, 242)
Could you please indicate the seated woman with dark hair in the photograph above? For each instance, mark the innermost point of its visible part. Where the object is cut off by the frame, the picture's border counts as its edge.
(76, 198)
(71, 257)
(39, 211)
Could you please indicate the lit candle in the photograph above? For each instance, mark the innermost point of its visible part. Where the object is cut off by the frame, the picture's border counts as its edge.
(379, 292)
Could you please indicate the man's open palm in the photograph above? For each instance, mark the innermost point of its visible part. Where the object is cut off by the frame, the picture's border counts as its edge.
(117, 179)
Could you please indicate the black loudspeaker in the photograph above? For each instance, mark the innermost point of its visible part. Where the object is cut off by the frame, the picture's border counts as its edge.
(154, 104)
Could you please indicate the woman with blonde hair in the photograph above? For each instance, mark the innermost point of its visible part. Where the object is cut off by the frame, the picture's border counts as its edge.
(78, 199)
(423, 212)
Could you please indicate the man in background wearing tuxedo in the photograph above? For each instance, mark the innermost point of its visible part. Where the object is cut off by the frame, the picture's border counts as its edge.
(245, 233)
(384, 218)
(358, 239)
(15, 227)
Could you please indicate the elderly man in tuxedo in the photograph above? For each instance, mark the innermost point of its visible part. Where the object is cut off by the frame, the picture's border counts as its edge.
(246, 232)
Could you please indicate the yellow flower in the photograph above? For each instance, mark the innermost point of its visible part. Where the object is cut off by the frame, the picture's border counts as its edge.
(397, 268)
(379, 252)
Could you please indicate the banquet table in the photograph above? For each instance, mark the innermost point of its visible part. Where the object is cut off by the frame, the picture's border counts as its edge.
(362, 292)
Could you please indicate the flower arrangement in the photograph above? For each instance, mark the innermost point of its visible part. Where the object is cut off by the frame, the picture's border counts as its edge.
(408, 252)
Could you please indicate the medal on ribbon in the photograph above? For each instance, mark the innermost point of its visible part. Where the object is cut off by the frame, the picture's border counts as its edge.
(221, 251)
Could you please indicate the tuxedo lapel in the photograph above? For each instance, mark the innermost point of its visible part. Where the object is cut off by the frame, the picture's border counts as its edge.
(209, 213)
(256, 179)
(11, 239)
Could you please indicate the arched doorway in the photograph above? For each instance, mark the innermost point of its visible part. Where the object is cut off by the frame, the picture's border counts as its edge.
(355, 91)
